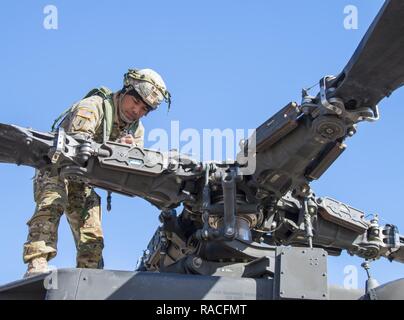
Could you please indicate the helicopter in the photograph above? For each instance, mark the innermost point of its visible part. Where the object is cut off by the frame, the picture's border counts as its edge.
(241, 232)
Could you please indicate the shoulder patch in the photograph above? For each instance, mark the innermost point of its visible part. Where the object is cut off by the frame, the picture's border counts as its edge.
(85, 113)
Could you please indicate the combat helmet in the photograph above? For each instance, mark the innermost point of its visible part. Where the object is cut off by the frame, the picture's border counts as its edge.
(149, 85)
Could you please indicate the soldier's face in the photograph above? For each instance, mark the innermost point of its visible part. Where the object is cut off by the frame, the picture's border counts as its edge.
(133, 108)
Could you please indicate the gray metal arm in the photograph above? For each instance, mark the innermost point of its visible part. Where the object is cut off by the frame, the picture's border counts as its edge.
(336, 226)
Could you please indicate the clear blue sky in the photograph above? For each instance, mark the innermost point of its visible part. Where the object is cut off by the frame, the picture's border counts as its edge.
(228, 64)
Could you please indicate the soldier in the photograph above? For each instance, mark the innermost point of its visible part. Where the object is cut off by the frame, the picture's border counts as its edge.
(100, 115)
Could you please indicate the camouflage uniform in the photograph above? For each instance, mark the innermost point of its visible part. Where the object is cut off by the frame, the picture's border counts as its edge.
(54, 196)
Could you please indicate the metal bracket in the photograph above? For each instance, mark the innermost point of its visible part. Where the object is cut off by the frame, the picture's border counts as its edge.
(336, 105)
(323, 96)
(59, 145)
(374, 118)
(229, 193)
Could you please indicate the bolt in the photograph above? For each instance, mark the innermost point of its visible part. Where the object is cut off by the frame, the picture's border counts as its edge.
(324, 274)
(197, 262)
(230, 231)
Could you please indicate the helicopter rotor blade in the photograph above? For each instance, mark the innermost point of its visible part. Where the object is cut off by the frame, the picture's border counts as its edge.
(376, 68)
(24, 146)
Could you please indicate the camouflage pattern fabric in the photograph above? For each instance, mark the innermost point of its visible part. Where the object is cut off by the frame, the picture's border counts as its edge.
(55, 196)
(86, 116)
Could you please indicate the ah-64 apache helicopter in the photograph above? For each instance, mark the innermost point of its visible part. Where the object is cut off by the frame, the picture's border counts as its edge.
(242, 233)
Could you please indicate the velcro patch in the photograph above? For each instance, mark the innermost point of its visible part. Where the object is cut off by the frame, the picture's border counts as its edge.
(85, 113)
(83, 124)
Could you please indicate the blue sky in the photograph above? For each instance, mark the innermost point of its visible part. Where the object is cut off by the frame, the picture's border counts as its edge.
(228, 64)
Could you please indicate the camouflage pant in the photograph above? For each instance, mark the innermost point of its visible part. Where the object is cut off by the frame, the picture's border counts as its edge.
(53, 197)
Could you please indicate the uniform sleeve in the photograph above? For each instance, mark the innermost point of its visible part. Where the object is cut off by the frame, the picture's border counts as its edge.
(138, 136)
(85, 116)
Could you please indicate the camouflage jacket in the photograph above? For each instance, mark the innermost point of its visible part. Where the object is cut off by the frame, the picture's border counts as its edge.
(86, 116)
